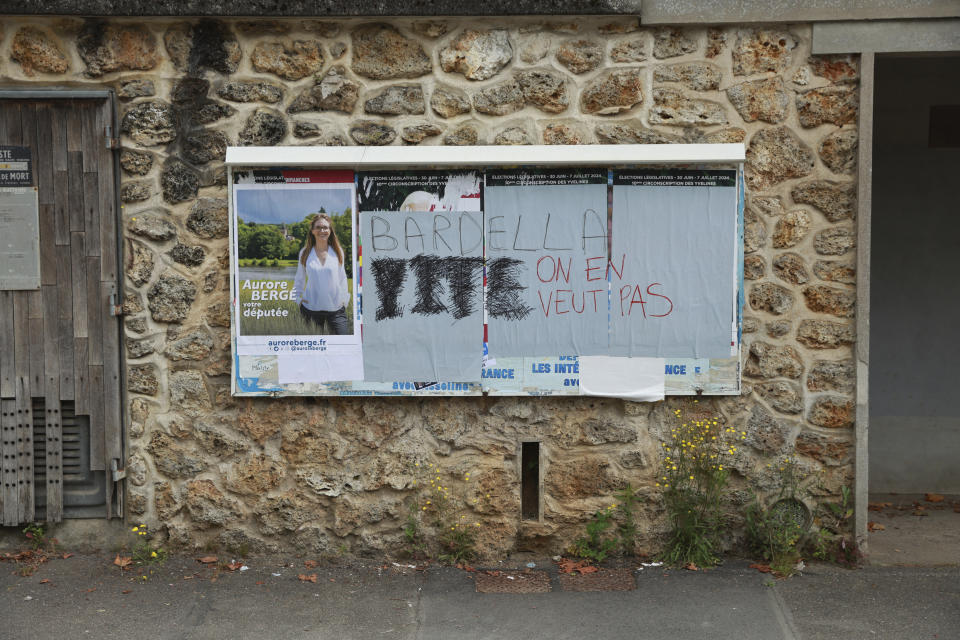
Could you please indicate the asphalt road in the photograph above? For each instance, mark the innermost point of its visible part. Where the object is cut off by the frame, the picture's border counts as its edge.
(88, 596)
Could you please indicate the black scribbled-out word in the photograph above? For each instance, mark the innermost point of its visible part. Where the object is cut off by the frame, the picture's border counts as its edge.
(389, 274)
(460, 274)
(503, 290)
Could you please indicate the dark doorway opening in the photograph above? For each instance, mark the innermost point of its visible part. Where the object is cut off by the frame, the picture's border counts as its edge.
(530, 481)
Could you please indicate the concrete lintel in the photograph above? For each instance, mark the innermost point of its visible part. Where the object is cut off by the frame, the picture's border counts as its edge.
(725, 11)
(320, 8)
(886, 36)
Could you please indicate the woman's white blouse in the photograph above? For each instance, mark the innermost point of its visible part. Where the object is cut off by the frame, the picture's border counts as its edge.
(321, 287)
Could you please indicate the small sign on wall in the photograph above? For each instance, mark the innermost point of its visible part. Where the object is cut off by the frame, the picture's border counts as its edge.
(16, 168)
(19, 239)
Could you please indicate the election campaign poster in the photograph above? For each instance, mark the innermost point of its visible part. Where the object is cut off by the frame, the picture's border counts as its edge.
(294, 246)
(422, 239)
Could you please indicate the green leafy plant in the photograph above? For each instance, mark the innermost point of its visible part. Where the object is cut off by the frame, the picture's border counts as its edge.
(693, 481)
(457, 545)
(832, 541)
(440, 516)
(36, 533)
(143, 554)
(596, 545)
(627, 501)
(777, 527)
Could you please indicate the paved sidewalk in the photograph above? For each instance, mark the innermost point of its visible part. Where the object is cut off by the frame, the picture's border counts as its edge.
(87, 596)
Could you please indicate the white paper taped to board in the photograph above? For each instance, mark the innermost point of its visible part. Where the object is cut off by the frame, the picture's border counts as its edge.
(639, 379)
(333, 367)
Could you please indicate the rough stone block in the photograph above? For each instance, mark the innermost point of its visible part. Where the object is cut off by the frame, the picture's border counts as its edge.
(761, 50)
(254, 91)
(832, 412)
(288, 60)
(672, 107)
(150, 123)
(170, 298)
(370, 133)
(835, 241)
(106, 48)
(334, 92)
(823, 334)
(399, 100)
(580, 56)
(697, 76)
(264, 128)
(770, 361)
(38, 51)
(823, 299)
(500, 99)
(836, 104)
(771, 298)
(837, 200)
(670, 42)
(791, 268)
(545, 90)
(838, 151)
(775, 155)
(844, 272)
(478, 55)
(764, 100)
(791, 228)
(612, 92)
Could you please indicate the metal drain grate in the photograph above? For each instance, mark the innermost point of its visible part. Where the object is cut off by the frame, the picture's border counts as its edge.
(602, 580)
(513, 582)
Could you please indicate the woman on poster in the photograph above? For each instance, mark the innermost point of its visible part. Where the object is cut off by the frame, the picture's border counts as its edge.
(321, 280)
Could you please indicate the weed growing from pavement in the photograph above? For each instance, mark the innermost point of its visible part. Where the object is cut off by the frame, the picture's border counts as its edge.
(441, 520)
(832, 541)
(610, 530)
(143, 553)
(692, 482)
(777, 527)
(36, 533)
(596, 545)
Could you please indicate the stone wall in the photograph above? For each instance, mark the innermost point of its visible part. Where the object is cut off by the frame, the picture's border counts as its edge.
(325, 475)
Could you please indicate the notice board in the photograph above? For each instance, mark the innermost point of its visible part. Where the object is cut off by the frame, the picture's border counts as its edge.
(598, 278)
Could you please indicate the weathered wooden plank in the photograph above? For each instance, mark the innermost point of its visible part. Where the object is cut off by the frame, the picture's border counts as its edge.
(11, 131)
(81, 376)
(78, 275)
(51, 341)
(7, 364)
(58, 147)
(25, 449)
(8, 462)
(28, 126)
(61, 208)
(108, 213)
(91, 213)
(44, 170)
(35, 315)
(61, 176)
(65, 322)
(95, 411)
(95, 313)
(54, 462)
(113, 436)
(21, 336)
(75, 173)
(48, 244)
(74, 125)
(92, 140)
(21, 357)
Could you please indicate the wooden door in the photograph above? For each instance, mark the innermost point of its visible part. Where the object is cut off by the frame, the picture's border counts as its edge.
(60, 375)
